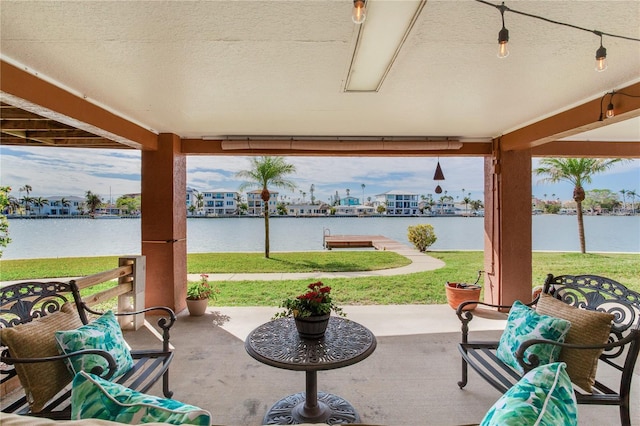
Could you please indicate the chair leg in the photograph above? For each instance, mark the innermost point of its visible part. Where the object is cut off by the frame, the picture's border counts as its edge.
(625, 416)
(165, 385)
(462, 383)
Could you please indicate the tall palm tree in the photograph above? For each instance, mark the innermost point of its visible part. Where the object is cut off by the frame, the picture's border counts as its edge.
(27, 188)
(576, 171)
(624, 198)
(363, 186)
(199, 201)
(264, 172)
(40, 202)
(312, 189)
(93, 202)
(26, 201)
(632, 194)
(65, 203)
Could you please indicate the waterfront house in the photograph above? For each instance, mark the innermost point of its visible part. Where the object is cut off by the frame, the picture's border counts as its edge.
(307, 209)
(255, 205)
(63, 206)
(399, 203)
(220, 203)
(349, 201)
(218, 79)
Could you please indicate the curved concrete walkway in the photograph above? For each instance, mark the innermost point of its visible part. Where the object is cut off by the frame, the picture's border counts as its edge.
(420, 262)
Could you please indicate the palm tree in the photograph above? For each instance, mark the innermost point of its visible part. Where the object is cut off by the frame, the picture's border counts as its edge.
(466, 200)
(40, 202)
(632, 194)
(624, 201)
(199, 201)
(363, 186)
(26, 201)
(27, 188)
(576, 171)
(93, 202)
(65, 203)
(267, 171)
(311, 190)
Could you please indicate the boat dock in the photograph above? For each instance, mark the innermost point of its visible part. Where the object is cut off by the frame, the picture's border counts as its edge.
(378, 242)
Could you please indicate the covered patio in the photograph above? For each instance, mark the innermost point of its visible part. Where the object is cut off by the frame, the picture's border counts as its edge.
(228, 78)
(409, 379)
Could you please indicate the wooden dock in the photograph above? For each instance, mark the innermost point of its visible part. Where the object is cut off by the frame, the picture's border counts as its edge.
(378, 242)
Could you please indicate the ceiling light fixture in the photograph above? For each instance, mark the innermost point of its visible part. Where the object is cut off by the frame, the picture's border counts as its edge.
(378, 43)
(359, 13)
(611, 112)
(601, 57)
(503, 35)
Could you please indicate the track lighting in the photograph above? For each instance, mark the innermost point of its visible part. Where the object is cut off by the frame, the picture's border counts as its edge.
(359, 13)
(601, 57)
(503, 36)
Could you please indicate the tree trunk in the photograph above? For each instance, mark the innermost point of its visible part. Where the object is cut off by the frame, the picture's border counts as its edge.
(266, 232)
(583, 249)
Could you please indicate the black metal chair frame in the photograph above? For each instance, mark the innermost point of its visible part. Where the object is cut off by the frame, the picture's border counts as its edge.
(23, 302)
(584, 291)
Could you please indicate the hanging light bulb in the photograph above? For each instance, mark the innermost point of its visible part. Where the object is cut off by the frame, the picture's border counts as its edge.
(610, 111)
(359, 13)
(503, 36)
(601, 57)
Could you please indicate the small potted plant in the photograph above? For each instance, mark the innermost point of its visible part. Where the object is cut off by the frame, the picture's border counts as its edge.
(461, 292)
(199, 294)
(311, 310)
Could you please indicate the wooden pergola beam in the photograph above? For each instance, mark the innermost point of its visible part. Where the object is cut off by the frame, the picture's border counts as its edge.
(360, 148)
(30, 93)
(574, 121)
(588, 149)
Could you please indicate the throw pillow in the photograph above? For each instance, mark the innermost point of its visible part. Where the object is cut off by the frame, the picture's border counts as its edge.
(523, 324)
(587, 328)
(43, 380)
(104, 333)
(544, 396)
(95, 398)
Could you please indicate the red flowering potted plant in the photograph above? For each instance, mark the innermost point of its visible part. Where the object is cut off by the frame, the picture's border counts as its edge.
(199, 294)
(311, 310)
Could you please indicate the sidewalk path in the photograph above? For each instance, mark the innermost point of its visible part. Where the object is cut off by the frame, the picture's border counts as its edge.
(420, 262)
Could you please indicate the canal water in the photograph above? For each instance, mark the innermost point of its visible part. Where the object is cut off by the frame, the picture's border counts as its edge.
(40, 238)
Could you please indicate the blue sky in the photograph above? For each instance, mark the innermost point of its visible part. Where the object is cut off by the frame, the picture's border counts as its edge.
(68, 171)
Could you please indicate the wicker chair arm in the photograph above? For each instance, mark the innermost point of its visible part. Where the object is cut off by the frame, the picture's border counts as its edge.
(97, 370)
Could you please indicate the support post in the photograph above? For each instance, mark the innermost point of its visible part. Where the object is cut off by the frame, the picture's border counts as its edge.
(507, 253)
(164, 223)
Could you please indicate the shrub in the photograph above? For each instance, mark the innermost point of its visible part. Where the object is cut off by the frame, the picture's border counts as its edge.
(422, 236)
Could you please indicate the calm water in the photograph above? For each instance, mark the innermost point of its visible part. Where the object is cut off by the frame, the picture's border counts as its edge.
(86, 237)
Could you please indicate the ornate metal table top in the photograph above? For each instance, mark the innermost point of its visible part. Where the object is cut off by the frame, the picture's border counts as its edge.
(277, 343)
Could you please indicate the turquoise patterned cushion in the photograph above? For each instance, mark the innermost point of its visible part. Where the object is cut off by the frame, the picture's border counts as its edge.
(103, 333)
(95, 398)
(544, 396)
(523, 324)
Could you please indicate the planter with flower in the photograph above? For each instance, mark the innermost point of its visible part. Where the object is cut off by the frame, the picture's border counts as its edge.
(311, 310)
(199, 294)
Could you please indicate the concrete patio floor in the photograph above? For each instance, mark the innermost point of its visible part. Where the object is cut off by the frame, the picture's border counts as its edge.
(410, 379)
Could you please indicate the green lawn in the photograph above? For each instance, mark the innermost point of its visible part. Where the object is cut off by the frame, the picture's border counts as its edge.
(422, 287)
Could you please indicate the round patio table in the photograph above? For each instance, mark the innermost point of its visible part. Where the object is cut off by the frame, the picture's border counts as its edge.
(277, 343)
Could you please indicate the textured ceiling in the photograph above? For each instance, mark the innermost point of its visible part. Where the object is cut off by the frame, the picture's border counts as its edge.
(225, 68)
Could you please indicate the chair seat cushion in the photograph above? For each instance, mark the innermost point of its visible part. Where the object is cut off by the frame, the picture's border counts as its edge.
(104, 333)
(523, 323)
(544, 396)
(43, 380)
(95, 398)
(587, 328)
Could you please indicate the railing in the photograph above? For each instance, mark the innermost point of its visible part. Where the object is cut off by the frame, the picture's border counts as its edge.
(129, 290)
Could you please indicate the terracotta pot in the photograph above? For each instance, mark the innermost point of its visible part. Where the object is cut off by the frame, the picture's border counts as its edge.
(197, 308)
(312, 327)
(455, 296)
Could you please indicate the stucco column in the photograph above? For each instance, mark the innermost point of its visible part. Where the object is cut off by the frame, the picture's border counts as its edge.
(507, 249)
(164, 223)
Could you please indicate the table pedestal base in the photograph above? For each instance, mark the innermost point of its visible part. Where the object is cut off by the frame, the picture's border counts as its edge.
(291, 410)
